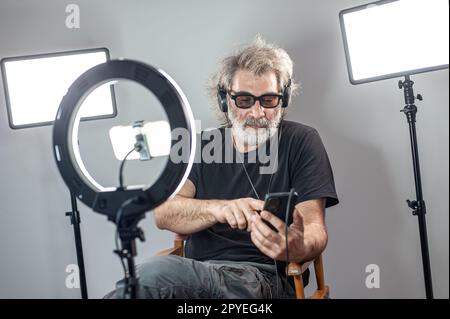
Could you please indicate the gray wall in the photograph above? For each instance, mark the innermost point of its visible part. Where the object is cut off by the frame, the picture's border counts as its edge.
(365, 134)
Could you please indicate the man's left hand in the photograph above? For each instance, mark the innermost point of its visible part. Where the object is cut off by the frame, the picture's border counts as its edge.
(273, 243)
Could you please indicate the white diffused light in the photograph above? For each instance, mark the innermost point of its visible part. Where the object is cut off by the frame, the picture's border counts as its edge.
(157, 136)
(396, 38)
(36, 85)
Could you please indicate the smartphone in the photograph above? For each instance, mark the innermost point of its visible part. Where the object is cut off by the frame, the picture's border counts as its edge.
(276, 203)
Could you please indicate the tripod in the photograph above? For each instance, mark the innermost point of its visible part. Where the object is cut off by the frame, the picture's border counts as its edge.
(418, 205)
(74, 215)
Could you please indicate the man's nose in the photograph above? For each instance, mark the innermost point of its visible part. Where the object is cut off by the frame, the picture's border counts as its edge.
(257, 110)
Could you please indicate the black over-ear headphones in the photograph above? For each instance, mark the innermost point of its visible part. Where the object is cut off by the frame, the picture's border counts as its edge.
(287, 94)
(222, 98)
(223, 103)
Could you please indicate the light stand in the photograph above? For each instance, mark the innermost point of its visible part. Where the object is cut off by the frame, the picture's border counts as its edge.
(74, 215)
(131, 281)
(418, 205)
(374, 52)
(47, 74)
(128, 232)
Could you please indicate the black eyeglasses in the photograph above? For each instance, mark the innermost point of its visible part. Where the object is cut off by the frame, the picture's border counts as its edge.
(247, 100)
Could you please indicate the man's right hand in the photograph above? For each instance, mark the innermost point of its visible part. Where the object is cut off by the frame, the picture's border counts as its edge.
(237, 212)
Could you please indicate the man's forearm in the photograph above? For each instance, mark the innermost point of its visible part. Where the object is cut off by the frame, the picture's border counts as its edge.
(184, 215)
(316, 239)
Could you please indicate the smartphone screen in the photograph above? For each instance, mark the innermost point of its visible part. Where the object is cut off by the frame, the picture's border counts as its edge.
(276, 203)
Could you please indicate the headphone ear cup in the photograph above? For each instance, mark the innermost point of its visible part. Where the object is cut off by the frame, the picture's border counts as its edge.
(222, 99)
(286, 95)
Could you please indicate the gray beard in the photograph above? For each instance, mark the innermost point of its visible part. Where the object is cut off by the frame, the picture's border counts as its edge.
(254, 137)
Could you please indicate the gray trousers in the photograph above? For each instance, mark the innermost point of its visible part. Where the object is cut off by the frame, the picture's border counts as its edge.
(184, 278)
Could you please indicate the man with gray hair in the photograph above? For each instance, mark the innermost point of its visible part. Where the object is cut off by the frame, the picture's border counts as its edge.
(234, 248)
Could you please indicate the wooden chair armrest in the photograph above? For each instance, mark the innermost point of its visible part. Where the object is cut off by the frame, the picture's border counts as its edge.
(295, 269)
(170, 251)
(177, 249)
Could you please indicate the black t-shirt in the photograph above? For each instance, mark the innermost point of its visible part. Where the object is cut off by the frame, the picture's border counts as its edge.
(303, 164)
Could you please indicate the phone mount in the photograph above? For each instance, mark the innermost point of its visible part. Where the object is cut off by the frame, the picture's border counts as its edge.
(141, 144)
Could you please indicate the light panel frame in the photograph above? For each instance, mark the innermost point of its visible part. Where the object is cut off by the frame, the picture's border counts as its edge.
(407, 49)
(6, 85)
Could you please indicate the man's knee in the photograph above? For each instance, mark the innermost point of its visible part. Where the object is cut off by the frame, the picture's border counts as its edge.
(155, 274)
(172, 277)
(161, 270)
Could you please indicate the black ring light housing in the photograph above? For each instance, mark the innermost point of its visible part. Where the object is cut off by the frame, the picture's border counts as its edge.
(65, 139)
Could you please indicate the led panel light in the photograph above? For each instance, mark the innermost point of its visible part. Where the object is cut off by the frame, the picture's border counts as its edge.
(35, 85)
(387, 39)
